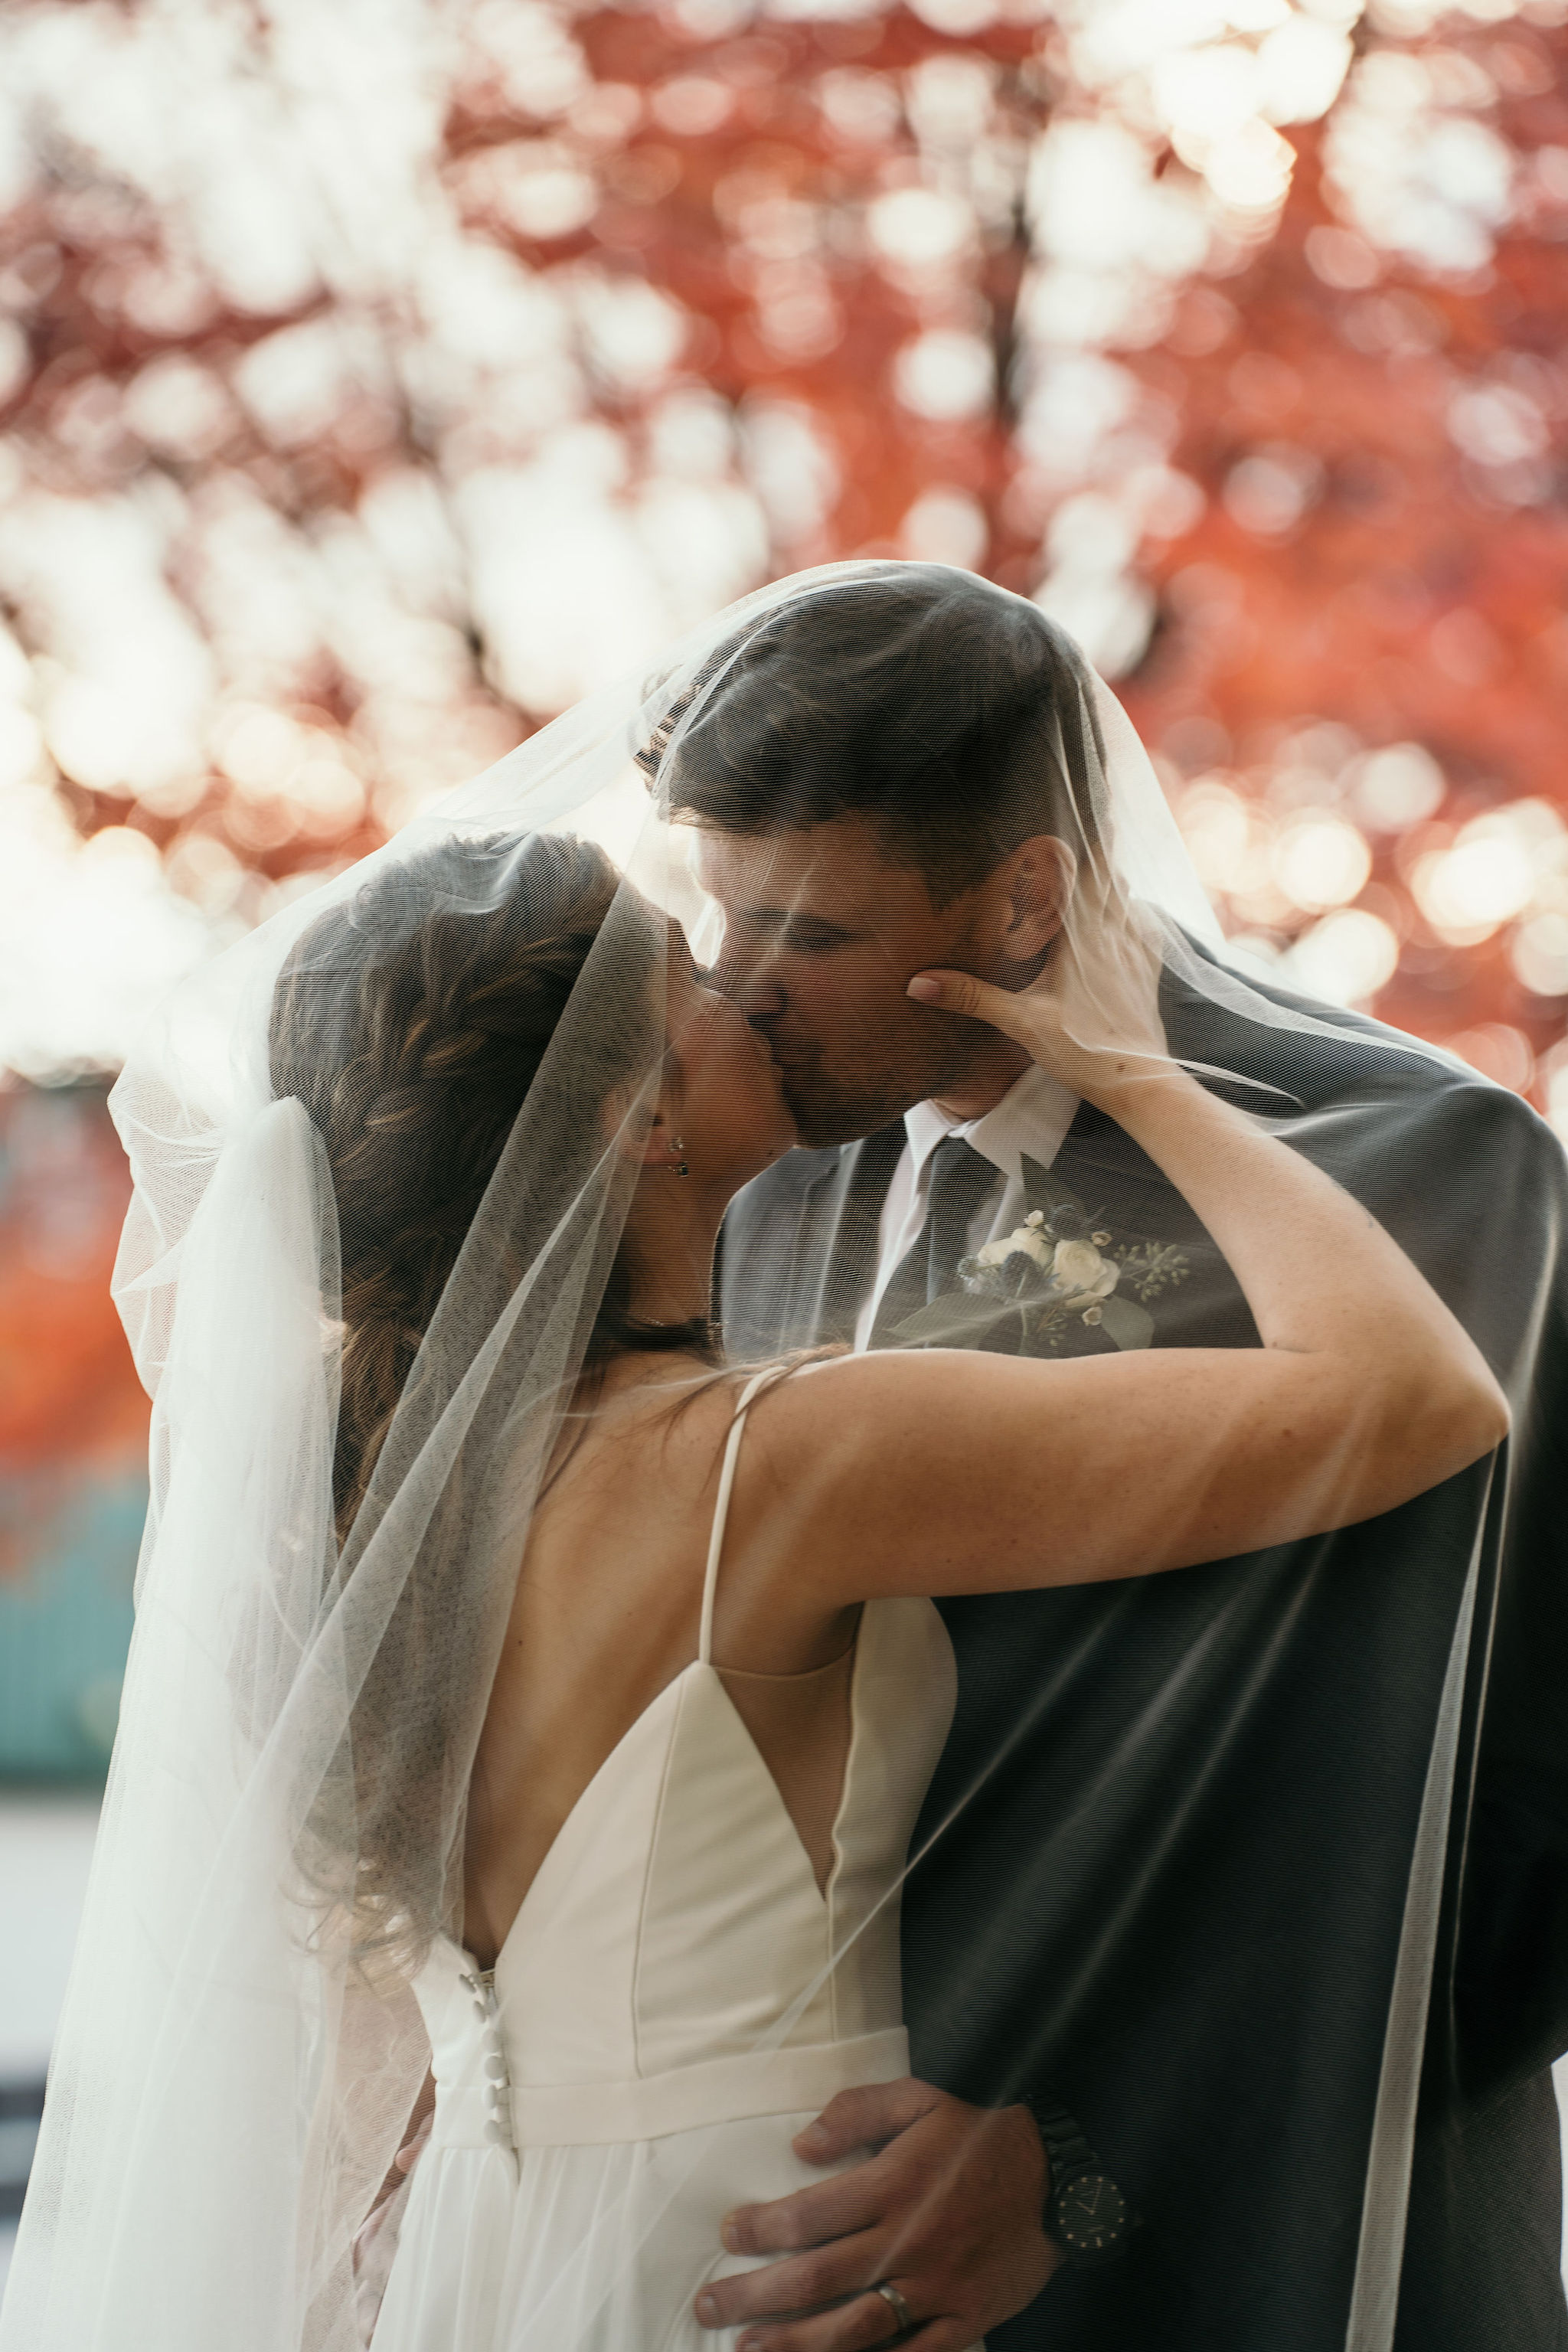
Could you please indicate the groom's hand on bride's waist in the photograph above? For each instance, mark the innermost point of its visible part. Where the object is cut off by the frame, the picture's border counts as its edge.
(947, 2213)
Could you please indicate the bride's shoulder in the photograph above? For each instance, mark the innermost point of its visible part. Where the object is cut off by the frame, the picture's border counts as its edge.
(641, 1408)
(816, 1410)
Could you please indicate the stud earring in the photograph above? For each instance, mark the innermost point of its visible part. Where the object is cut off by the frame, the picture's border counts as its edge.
(677, 1167)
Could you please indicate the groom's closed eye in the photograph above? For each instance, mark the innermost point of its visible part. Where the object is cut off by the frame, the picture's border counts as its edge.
(756, 937)
(807, 935)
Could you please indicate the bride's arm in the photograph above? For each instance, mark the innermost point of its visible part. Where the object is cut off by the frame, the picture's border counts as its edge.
(944, 1472)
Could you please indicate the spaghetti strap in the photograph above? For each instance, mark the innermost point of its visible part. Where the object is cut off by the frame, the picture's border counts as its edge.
(721, 1512)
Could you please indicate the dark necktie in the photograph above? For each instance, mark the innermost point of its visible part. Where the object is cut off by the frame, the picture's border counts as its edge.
(960, 1181)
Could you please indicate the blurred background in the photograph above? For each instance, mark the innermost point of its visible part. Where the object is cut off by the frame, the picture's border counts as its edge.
(376, 376)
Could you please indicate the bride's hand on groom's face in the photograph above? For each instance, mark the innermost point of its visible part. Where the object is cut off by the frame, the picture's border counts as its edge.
(1092, 1017)
(948, 2212)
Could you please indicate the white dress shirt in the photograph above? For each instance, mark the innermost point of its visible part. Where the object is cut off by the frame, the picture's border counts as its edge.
(1031, 1120)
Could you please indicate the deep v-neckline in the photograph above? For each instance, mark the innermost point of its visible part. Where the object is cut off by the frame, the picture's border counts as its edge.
(587, 1790)
(695, 1665)
(668, 1690)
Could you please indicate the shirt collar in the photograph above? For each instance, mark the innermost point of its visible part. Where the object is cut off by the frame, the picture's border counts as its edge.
(1033, 1117)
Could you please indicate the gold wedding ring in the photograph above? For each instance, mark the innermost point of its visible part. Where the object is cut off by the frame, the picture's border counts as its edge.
(900, 2309)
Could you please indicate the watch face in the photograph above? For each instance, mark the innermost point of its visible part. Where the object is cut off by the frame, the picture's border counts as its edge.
(1090, 2213)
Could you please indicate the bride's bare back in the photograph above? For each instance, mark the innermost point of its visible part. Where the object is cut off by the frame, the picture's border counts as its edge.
(606, 1614)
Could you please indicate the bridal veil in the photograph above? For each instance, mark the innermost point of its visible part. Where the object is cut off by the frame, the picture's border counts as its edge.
(348, 1440)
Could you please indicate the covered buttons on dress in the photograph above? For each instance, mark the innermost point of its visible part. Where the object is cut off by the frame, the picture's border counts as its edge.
(493, 2066)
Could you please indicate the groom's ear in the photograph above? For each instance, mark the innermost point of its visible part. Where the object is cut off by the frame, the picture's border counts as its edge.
(1032, 887)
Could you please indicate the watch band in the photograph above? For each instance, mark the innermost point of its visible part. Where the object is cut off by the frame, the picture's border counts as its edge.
(1069, 2155)
(1065, 2144)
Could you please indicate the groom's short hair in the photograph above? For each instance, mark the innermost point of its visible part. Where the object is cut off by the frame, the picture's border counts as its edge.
(955, 717)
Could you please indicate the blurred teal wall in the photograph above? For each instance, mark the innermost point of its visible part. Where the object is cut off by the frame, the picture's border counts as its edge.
(65, 1625)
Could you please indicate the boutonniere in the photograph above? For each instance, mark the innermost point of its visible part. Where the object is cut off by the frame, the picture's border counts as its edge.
(1061, 1269)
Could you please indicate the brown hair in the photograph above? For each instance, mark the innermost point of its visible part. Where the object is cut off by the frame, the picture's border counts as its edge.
(958, 719)
(411, 1020)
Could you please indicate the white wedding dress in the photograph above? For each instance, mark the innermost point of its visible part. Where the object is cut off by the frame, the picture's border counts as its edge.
(676, 1997)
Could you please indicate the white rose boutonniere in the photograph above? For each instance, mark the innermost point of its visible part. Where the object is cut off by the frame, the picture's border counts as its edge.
(1026, 1241)
(1081, 1276)
(1061, 1269)
(1077, 1276)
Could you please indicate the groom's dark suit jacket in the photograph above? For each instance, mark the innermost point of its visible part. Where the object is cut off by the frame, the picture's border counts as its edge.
(1168, 1847)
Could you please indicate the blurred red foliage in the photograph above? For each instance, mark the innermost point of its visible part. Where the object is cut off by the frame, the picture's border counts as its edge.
(69, 1402)
(1416, 598)
(742, 193)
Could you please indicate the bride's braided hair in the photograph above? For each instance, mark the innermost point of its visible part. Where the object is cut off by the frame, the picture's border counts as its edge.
(411, 1022)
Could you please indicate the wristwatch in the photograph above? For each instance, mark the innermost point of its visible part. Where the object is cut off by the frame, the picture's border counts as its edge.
(1086, 2212)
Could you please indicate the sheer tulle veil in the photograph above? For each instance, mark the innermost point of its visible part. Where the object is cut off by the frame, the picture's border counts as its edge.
(318, 1620)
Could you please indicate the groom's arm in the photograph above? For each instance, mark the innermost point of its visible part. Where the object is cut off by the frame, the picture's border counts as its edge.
(948, 2212)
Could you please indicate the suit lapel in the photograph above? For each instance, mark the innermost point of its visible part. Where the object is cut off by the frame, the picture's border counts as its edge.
(1099, 1161)
(1114, 1178)
(836, 1242)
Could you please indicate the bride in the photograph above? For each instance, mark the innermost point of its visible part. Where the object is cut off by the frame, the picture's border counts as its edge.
(524, 1689)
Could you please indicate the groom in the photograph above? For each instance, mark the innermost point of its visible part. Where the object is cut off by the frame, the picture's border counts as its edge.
(1242, 1893)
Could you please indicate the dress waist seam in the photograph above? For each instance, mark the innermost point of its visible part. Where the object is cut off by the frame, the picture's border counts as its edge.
(651, 2106)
